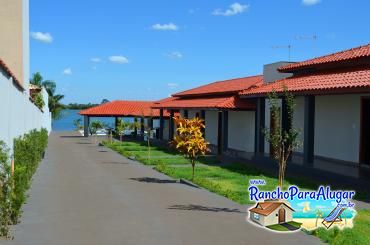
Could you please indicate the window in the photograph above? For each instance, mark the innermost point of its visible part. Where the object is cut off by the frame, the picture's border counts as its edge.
(256, 216)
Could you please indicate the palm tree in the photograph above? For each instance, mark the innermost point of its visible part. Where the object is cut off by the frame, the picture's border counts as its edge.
(319, 214)
(55, 106)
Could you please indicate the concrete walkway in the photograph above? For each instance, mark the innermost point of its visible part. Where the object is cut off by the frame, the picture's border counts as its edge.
(86, 194)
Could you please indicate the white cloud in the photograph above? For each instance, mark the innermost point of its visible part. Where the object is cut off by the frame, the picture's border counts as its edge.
(175, 55)
(42, 37)
(172, 85)
(310, 2)
(165, 27)
(95, 60)
(119, 59)
(67, 71)
(234, 9)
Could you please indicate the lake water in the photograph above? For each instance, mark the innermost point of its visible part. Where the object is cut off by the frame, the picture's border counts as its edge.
(65, 122)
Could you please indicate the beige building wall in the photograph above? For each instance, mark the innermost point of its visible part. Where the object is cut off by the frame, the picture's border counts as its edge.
(14, 37)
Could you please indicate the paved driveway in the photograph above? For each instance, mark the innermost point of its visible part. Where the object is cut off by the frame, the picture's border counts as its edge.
(86, 194)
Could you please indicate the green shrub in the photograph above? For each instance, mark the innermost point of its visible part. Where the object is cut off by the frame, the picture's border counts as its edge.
(28, 152)
(6, 182)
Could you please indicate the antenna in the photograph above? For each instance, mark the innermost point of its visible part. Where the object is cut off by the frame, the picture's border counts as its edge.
(289, 47)
(308, 37)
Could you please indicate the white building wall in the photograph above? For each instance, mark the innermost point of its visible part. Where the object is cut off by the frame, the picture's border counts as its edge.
(337, 126)
(19, 114)
(211, 119)
(241, 130)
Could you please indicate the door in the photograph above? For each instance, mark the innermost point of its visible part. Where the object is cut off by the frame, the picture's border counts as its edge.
(365, 132)
(281, 215)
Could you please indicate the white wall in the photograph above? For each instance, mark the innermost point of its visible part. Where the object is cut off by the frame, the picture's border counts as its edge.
(211, 119)
(337, 126)
(18, 114)
(241, 130)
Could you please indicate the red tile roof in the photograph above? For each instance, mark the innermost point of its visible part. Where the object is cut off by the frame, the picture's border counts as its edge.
(346, 55)
(10, 73)
(318, 83)
(124, 108)
(232, 86)
(266, 208)
(221, 102)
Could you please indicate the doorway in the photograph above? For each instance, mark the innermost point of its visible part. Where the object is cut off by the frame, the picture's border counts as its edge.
(281, 215)
(365, 132)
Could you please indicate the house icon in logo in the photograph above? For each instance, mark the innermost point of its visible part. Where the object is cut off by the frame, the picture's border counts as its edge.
(271, 212)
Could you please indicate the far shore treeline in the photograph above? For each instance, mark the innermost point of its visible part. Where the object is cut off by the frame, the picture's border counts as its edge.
(76, 106)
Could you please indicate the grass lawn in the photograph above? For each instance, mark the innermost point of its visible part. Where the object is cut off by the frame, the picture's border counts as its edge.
(359, 234)
(232, 181)
(277, 227)
(295, 224)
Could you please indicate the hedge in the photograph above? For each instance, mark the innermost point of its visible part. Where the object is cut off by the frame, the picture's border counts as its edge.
(28, 152)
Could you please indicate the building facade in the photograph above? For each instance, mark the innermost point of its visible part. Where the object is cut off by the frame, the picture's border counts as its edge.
(332, 111)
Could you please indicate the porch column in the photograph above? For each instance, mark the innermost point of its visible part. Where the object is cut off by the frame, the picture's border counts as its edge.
(186, 114)
(135, 128)
(225, 128)
(142, 129)
(171, 126)
(259, 140)
(203, 117)
(86, 126)
(309, 130)
(219, 133)
(161, 124)
(115, 123)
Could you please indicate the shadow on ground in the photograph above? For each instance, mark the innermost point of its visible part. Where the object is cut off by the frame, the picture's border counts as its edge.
(154, 180)
(192, 207)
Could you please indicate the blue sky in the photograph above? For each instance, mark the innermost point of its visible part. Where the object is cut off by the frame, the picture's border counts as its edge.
(146, 50)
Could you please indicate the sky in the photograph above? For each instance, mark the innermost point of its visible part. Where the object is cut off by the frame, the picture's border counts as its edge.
(147, 50)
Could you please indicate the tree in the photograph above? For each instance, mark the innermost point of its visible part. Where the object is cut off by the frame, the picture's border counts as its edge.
(121, 127)
(77, 124)
(39, 101)
(95, 126)
(319, 214)
(104, 101)
(189, 139)
(283, 141)
(55, 106)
